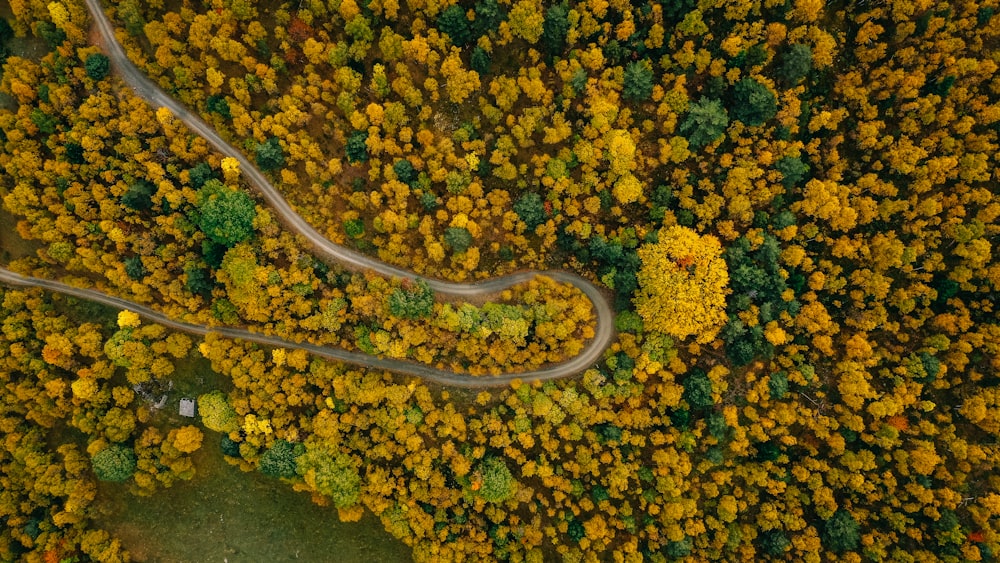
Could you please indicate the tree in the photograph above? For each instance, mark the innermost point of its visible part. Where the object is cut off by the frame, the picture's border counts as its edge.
(638, 82)
(225, 214)
(489, 15)
(357, 147)
(200, 174)
(97, 66)
(405, 172)
(139, 196)
(792, 169)
(480, 61)
(753, 102)
(555, 28)
(705, 122)
(698, 390)
(452, 21)
(458, 238)
(279, 460)
(269, 155)
(115, 463)
(335, 476)
(774, 542)
(796, 63)
(216, 413)
(841, 532)
(134, 268)
(531, 209)
(497, 484)
(412, 302)
(682, 284)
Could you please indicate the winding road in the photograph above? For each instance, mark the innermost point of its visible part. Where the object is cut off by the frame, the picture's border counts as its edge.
(330, 253)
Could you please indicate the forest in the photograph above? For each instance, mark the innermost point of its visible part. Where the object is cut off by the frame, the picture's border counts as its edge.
(790, 206)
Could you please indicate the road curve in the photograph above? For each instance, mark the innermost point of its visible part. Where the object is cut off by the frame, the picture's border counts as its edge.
(330, 253)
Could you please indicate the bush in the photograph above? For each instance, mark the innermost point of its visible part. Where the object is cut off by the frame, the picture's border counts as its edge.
(97, 66)
(115, 464)
(269, 155)
(638, 82)
(705, 122)
(753, 102)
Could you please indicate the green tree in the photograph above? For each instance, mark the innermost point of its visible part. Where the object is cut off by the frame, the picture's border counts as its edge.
(498, 485)
(225, 214)
(357, 147)
(413, 302)
(796, 63)
(555, 28)
(97, 66)
(200, 174)
(218, 104)
(792, 169)
(452, 22)
(279, 460)
(774, 542)
(489, 15)
(335, 476)
(270, 155)
(753, 102)
(139, 196)
(698, 390)
(458, 238)
(705, 122)
(480, 61)
(841, 532)
(531, 209)
(115, 463)
(405, 172)
(638, 82)
(134, 268)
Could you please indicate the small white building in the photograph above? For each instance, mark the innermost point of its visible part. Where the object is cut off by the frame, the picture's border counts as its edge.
(187, 407)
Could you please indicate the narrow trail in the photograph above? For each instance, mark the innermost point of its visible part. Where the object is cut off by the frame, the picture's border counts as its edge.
(329, 252)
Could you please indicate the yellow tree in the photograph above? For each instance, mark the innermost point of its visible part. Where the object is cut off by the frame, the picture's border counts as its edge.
(683, 284)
